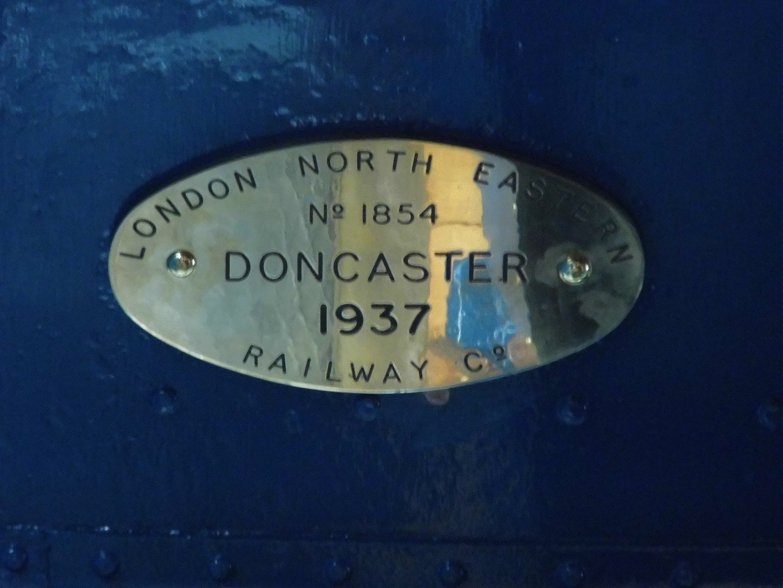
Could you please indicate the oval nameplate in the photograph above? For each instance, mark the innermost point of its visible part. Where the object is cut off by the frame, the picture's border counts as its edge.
(381, 265)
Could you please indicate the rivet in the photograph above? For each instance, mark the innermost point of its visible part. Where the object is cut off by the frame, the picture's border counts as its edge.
(366, 408)
(683, 576)
(770, 414)
(570, 574)
(164, 401)
(14, 558)
(574, 269)
(452, 573)
(438, 397)
(572, 409)
(181, 263)
(220, 568)
(105, 564)
(338, 572)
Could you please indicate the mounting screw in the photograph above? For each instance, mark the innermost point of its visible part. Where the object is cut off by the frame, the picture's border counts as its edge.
(570, 574)
(683, 576)
(572, 409)
(164, 401)
(366, 408)
(181, 263)
(574, 269)
(452, 573)
(105, 564)
(338, 572)
(14, 558)
(770, 414)
(220, 568)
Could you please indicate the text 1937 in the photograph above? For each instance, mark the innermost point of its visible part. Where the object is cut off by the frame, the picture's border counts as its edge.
(351, 318)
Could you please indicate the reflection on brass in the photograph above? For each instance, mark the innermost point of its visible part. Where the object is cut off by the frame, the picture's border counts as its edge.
(382, 265)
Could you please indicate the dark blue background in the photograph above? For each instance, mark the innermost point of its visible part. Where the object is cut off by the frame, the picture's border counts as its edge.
(654, 456)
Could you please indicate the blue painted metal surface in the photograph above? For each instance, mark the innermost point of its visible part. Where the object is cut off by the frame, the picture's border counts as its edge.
(654, 457)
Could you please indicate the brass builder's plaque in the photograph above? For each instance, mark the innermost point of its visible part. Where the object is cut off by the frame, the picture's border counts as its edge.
(381, 265)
